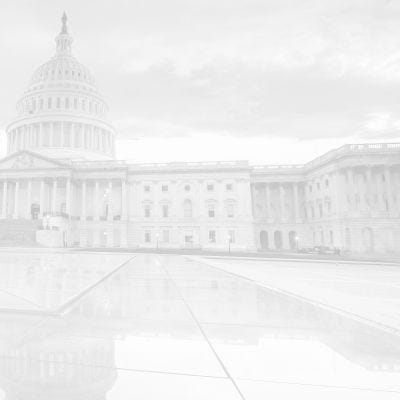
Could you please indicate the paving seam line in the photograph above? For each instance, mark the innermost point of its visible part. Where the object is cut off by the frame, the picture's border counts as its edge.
(73, 299)
(337, 310)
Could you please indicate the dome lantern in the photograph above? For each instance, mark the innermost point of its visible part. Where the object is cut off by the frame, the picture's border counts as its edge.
(63, 40)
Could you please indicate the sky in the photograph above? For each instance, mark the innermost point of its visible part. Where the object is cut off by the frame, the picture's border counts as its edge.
(269, 81)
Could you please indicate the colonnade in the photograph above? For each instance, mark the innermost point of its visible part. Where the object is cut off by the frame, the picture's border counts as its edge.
(12, 195)
(378, 185)
(285, 191)
(61, 134)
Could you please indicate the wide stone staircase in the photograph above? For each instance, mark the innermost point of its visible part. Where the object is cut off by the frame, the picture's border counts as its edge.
(18, 232)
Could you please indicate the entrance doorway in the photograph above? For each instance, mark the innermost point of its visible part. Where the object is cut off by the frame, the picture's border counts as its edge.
(368, 239)
(35, 210)
(293, 240)
(278, 240)
(264, 240)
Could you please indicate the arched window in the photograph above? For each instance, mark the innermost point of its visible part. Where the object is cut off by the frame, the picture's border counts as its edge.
(278, 240)
(187, 209)
(67, 103)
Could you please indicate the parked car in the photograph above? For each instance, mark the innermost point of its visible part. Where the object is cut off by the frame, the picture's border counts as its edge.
(320, 250)
(326, 250)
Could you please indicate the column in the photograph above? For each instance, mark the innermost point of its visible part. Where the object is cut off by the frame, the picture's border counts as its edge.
(350, 189)
(338, 192)
(253, 199)
(96, 201)
(83, 211)
(68, 197)
(4, 202)
(72, 135)
(110, 198)
(388, 188)
(368, 189)
(16, 196)
(41, 139)
(268, 202)
(296, 202)
(282, 201)
(62, 134)
(29, 200)
(124, 211)
(54, 197)
(51, 138)
(41, 198)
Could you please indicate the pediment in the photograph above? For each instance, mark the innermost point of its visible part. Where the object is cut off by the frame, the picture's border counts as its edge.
(26, 160)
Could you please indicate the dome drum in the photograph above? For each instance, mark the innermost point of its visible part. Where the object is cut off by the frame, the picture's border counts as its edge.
(93, 138)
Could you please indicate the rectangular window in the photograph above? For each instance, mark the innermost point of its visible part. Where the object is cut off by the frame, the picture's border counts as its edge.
(164, 188)
(211, 211)
(147, 211)
(212, 237)
(210, 187)
(230, 211)
(165, 211)
(146, 188)
(231, 236)
(165, 236)
(229, 187)
(147, 236)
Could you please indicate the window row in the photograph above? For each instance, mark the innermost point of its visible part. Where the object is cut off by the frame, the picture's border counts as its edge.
(188, 210)
(318, 185)
(187, 188)
(165, 237)
(67, 103)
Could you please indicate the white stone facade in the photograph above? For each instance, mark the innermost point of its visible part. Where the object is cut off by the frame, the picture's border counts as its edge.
(61, 171)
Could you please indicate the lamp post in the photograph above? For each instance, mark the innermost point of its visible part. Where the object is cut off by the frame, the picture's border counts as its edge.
(229, 243)
(46, 221)
(297, 243)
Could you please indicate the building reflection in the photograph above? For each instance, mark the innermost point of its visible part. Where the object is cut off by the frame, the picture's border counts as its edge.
(72, 356)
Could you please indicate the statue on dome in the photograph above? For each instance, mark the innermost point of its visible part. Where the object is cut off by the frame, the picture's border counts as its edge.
(64, 19)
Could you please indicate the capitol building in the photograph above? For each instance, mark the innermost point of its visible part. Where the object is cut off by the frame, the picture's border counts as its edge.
(62, 186)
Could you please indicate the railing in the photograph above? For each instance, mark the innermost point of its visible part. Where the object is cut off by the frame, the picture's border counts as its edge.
(354, 148)
(365, 148)
(294, 168)
(100, 164)
(190, 165)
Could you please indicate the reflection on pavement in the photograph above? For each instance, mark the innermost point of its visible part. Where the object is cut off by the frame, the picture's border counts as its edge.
(177, 324)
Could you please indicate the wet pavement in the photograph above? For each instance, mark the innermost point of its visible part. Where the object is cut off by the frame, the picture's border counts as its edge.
(173, 327)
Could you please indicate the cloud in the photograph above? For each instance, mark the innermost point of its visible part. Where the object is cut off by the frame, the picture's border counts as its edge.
(299, 70)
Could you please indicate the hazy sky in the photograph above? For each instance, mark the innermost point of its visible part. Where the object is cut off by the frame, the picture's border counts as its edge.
(272, 81)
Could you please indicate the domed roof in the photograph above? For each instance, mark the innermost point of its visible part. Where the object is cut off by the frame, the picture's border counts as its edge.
(63, 67)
